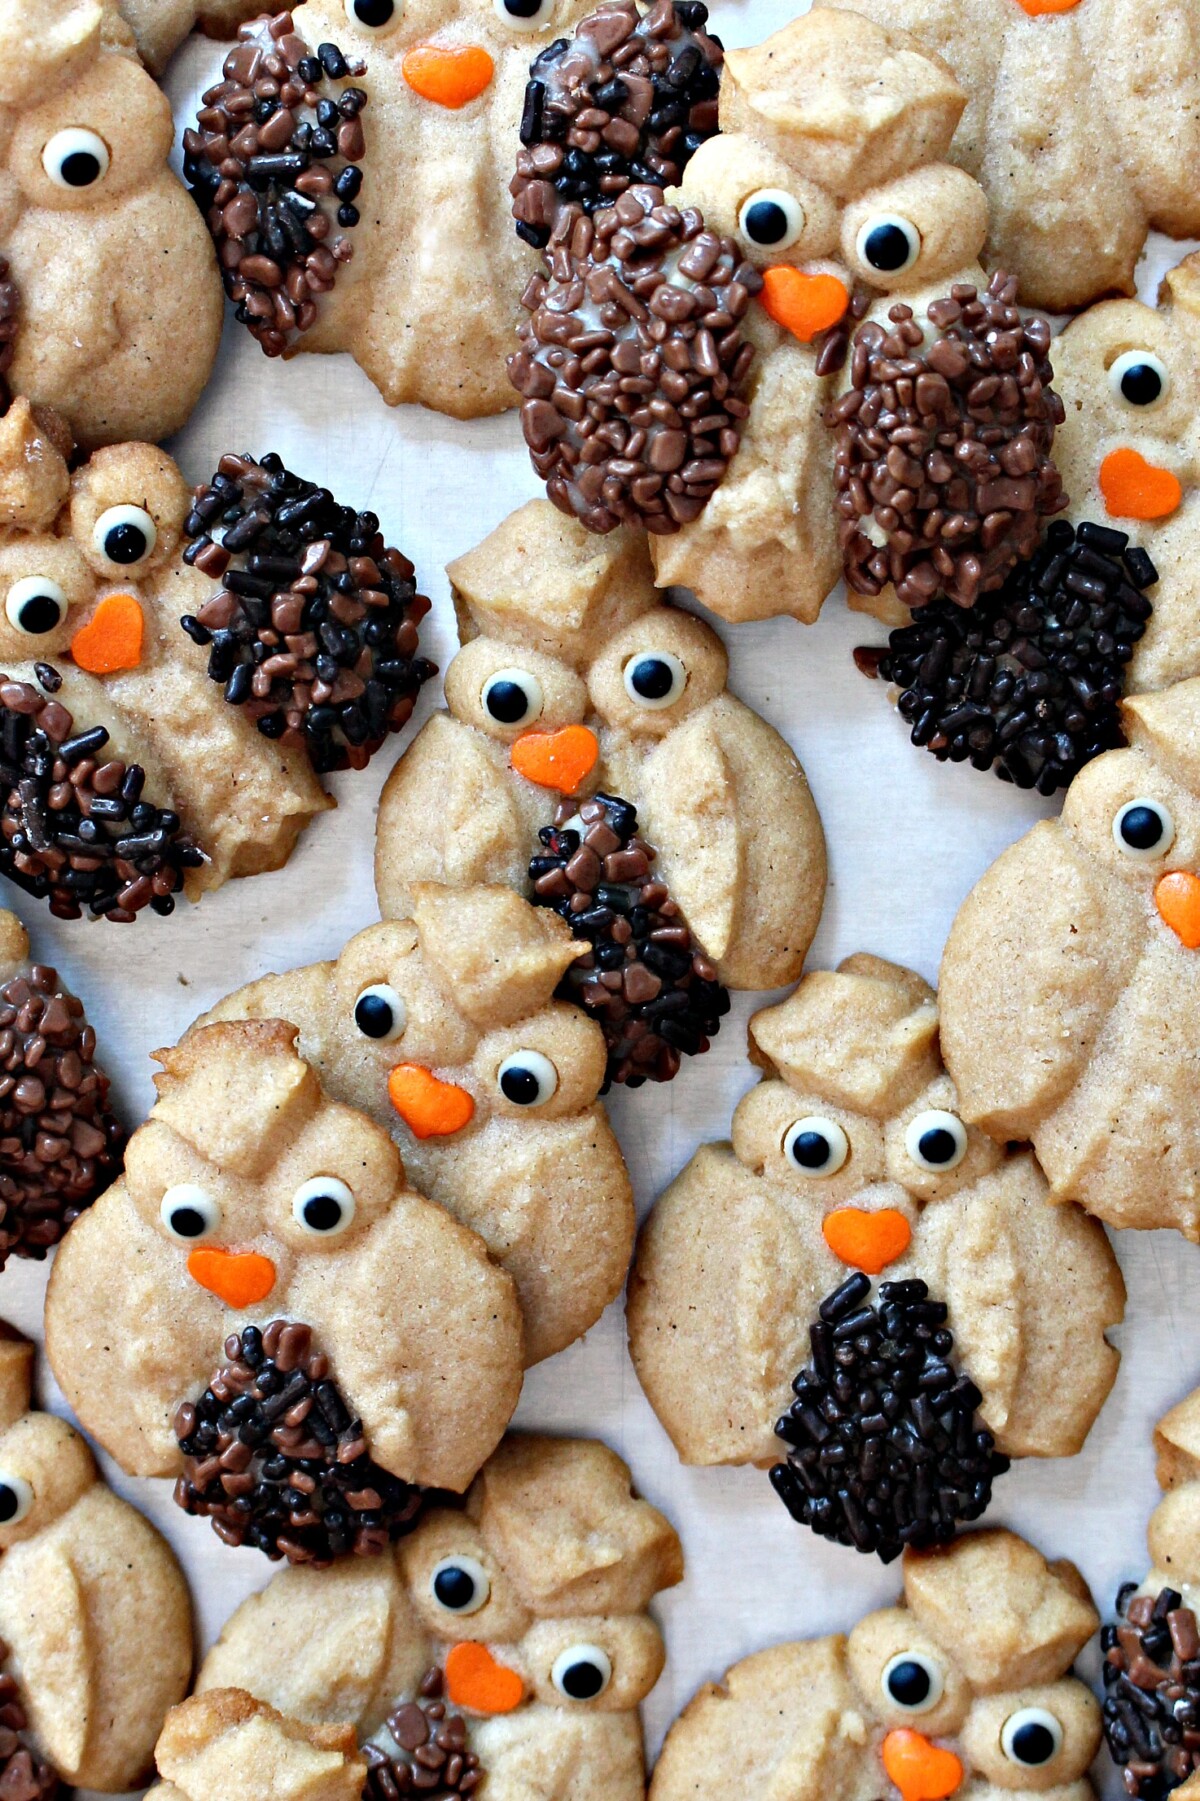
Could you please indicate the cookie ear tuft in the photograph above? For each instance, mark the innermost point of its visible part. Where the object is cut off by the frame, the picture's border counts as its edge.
(236, 1091)
(44, 44)
(224, 1742)
(500, 958)
(34, 482)
(16, 1375)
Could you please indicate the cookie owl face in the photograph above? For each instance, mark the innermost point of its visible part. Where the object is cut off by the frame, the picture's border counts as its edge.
(85, 194)
(964, 1686)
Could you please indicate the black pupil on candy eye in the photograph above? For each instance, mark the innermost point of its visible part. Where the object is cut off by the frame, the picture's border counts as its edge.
(887, 247)
(125, 544)
(8, 1503)
(519, 1086)
(652, 678)
(507, 702)
(1141, 384)
(80, 169)
(766, 222)
(322, 1212)
(373, 1016)
(811, 1150)
(454, 1588)
(523, 9)
(581, 1681)
(1141, 828)
(374, 12)
(908, 1683)
(188, 1222)
(39, 613)
(937, 1145)
(1033, 1743)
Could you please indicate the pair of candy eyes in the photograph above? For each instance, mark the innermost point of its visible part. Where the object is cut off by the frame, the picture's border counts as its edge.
(935, 1140)
(912, 1682)
(37, 604)
(381, 15)
(653, 679)
(526, 1078)
(322, 1207)
(461, 1586)
(773, 219)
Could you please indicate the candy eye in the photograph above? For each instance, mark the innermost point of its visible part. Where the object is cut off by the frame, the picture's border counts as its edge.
(1031, 1737)
(125, 535)
(16, 1498)
(1144, 830)
(912, 1682)
(1139, 378)
(35, 605)
(512, 697)
(75, 158)
(581, 1672)
(527, 1079)
(771, 218)
(372, 15)
(323, 1206)
(818, 1147)
(655, 679)
(189, 1213)
(524, 15)
(936, 1141)
(460, 1584)
(380, 1013)
(888, 243)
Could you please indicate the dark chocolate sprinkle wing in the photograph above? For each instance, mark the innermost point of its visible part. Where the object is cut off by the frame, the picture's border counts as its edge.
(1151, 1707)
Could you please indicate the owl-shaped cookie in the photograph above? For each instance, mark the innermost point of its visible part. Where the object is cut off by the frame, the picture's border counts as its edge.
(505, 1645)
(94, 1612)
(963, 1688)
(1083, 125)
(854, 1200)
(264, 1308)
(118, 292)
(385, 229)
(443, 1027)
(576, 681)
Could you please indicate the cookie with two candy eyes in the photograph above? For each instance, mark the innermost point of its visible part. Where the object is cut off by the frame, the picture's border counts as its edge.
(592, 758)
(443, 1027)
(964, 1687)
(861, 1284)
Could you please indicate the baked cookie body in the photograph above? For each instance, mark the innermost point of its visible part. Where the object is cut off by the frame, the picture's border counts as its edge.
(964, 1685)
(443, 1028)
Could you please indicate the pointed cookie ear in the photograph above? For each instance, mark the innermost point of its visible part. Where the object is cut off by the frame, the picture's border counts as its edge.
(237, 1091)
(34, 483)
(44, 44)
(225, 1743)
(16, 1375)
(1168, 724)
(1180, 286)
(501, 958)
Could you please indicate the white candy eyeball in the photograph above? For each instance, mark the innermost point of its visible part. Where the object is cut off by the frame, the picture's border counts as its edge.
(817, 1146)
(16, 1498)
(1144, 830)
(373, 15)
(771, 219)
(936, 1140)
(1139, 378)
(125, 535)
(460, 1584)
(581, 1672)
(189, 1213)
(527, 1079)
(654, 679)
(888, 244)
(323, 1206)
(513, 697)
(380, 1013)
(35, 605)
(1031, 1737)
(525, 15)
(75, 158)
(912, 1682)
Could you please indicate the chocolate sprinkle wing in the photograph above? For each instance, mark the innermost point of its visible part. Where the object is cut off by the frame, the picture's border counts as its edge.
(1151, 1707)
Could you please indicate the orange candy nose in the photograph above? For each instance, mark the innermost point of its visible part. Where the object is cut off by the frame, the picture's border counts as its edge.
(239, 1278)
(448, 74)
(559, 759)
(112, 637)
(1177, 897)
(920, 1770)
(1135, 489)
(429, 1108)
(1035, 8)
(867, 1241)
(803, 304)
(474, 1679)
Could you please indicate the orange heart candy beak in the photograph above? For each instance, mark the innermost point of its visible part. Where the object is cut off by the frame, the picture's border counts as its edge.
(475, 1680)
(450, 75)
(1035, 8)
(239, 1278)
(803, 304)
(429, 1108)
(112, 637)
(922, 1771)
(559, 759)
(867, 1241)
(1135, 489)
(1177, 897)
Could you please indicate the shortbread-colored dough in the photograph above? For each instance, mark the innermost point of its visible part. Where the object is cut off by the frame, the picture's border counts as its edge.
(160, 26)
(471, 978)
(422, 1331)
(732, 1263)
(994, 1626)
(719, 794)
(225, 1743)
